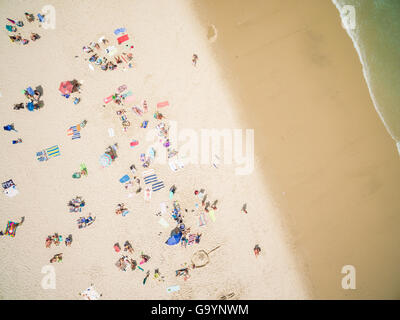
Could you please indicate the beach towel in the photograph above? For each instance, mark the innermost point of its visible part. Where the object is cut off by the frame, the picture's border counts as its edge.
(30, 91)
(122, 88)
(11, 229)
(108, 99)
(157, 186)
(124, 179)
(144, 124)
(111, 132)
(10, 189)
(173, 166)
(129, 98)
(150, 179)
(202, 220)
(212, 215)
(163, 207)
(173, 289)
(53, 151)
(8, 184)
(123, 39)
(74, 131)
(111, 50)
(163, 222)
(119, 30)
(134, 143)
(162, 104)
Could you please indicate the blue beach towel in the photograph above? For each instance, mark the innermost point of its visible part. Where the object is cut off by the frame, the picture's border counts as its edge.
(119, 30)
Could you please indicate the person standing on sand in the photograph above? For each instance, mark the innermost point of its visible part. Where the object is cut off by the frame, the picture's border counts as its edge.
(257, 250)
(194, 59)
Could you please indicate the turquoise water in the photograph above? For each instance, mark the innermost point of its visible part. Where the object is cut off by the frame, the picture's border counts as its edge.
(376, 37)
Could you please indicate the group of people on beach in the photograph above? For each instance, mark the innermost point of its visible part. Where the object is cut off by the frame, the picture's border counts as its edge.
(100, 60)
(13, 28)
(56, 239)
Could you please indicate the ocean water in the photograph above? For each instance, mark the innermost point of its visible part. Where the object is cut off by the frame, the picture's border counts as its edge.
(374, 27)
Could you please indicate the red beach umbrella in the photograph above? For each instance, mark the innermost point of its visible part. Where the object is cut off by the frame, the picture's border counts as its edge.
(66, 87)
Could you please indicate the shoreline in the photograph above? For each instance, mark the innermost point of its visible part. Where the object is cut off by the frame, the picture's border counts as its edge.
(326, 157)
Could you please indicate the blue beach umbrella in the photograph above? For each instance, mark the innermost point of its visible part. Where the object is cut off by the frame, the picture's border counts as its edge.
(173, 240)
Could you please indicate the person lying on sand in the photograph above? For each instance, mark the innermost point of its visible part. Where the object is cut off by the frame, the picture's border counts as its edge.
(57, 258)
(68, 240)
(34, 36)
(48, 242)
(128, 247)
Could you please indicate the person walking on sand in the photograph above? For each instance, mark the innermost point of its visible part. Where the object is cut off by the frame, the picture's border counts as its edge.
(194, 59)
(257, 250)
(244, 208)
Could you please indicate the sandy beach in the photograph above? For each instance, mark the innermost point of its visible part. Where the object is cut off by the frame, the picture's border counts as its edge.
(322, 193)
(165, 37)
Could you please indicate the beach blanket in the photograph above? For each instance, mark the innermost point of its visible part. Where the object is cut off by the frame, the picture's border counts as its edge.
(30, 91)
(202, 220)
(8, 184)
(157, 185)
(124, 179)
(123, 39)
(53, 151)
(90, 294)
(11, 229)
(74, 131)
(119, 30)
(212, 215)
(163, 222)
(173, 289)
(162, 104)
(108, 99)
(111, 51)
(150, 179)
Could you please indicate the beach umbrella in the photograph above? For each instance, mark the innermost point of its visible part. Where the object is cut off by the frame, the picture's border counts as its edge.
(30, 106)
(66, 87)
(105, 160)
(173, 240)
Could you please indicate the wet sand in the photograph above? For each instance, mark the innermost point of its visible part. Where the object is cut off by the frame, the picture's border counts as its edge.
(329, 164)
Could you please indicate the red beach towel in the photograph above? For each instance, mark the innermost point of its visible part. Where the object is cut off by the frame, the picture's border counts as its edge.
(108, 99)
(162, 104)
(123, 39)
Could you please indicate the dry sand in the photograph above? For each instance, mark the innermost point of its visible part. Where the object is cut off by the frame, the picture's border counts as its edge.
(327, 159)
(166, 34)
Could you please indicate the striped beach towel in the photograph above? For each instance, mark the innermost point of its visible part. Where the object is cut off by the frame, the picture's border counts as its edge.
(53, 151)
(74, 131)
(150, 179)
(157, 186)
